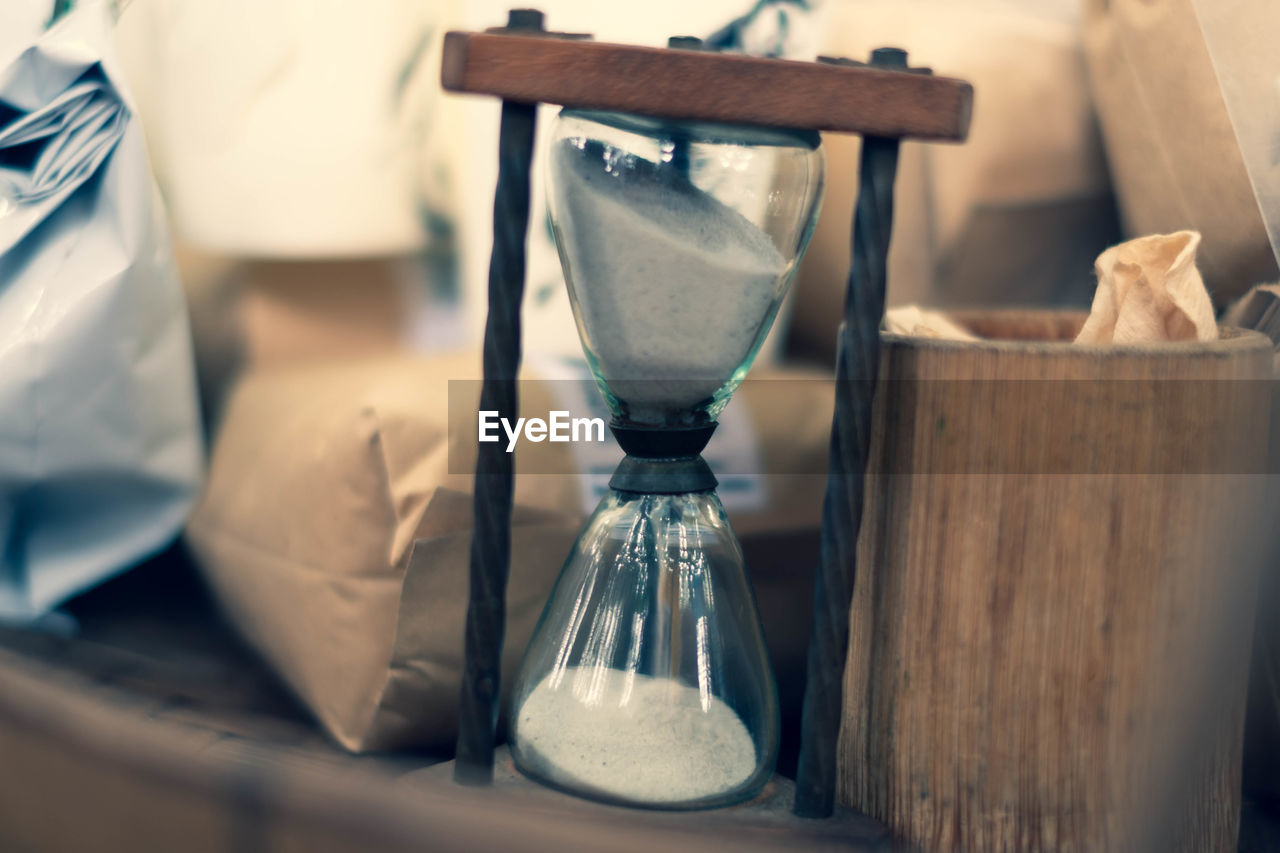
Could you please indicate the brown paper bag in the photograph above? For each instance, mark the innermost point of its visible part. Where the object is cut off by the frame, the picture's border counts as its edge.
(1013, 216)
(1170, 145)
(248, 314)
(335, 531)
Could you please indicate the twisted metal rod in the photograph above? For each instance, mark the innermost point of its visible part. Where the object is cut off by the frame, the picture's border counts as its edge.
(494, 482)
(857, 367)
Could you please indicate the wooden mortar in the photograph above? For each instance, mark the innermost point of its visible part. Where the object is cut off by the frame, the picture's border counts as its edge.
(1051, 621)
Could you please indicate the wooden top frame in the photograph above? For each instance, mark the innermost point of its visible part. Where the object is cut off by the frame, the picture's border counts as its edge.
(707, 86)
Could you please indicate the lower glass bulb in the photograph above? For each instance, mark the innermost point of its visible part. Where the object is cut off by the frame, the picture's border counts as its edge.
(647, 681)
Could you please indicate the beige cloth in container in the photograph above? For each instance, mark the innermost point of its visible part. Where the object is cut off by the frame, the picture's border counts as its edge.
(914, 321)
(1149, 290)
(335, 533)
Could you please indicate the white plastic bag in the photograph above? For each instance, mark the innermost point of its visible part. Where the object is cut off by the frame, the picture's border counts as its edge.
(100, 453)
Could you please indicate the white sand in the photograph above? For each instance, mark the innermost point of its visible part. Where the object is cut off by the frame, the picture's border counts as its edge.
(674, 287)
(634, 737)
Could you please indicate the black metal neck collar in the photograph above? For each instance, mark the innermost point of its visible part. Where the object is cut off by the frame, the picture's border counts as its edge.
(663, 461)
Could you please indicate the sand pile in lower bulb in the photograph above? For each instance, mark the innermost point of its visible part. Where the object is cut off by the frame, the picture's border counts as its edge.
(658, 745)
(673, 286)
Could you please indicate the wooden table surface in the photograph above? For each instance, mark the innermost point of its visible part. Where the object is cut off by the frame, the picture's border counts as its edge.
(155, 729)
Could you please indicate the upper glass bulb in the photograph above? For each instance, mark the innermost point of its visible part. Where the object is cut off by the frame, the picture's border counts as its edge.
(678, 241)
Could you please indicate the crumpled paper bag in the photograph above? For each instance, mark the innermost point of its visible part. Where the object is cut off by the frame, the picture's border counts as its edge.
(1149, 290)
(335, 532)
(100, 454)
(1258, 309)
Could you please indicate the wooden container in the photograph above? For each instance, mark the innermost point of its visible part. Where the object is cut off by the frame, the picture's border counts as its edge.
(1051, 620)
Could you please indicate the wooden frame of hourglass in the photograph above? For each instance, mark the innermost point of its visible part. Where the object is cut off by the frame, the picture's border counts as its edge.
(885, 101)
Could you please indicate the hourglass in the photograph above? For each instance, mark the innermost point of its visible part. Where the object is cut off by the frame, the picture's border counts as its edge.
(683, 188)
(647, 680)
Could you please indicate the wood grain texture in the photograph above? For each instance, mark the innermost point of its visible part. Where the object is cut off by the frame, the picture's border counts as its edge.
(93, 768)
(764, 822)
(1260, 310)
(153, 729)
(706, 86)
(1051, 620)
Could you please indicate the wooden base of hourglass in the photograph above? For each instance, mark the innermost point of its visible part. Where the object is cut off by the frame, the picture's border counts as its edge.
(564, 821)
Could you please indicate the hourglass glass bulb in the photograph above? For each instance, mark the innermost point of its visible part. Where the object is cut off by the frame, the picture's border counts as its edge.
(678, 242)
(647, 681)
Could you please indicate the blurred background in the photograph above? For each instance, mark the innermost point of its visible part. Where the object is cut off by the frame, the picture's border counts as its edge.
(330, 210)
(389, 181)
